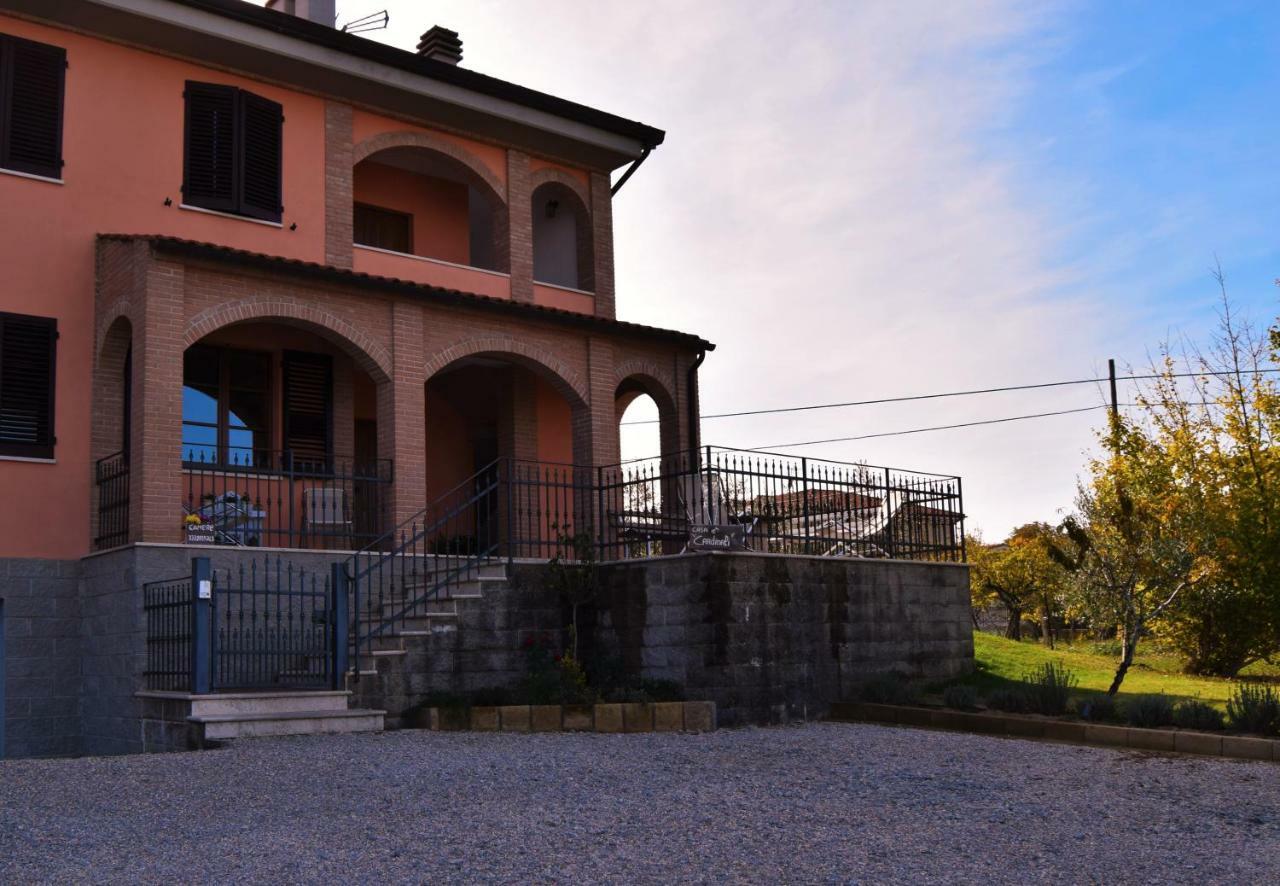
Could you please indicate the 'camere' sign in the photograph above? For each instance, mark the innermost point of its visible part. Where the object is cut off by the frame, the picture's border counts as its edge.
(704, 537)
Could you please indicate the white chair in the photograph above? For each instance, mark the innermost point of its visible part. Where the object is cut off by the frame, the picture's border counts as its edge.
(325, 513)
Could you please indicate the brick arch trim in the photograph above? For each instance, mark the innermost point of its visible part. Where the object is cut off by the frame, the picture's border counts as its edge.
(121, 311)
(425, 140)
(549, 174)
(566, 380)
(651, 378)
(369, 355)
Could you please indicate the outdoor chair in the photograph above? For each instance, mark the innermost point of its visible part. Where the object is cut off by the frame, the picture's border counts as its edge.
(325, 514)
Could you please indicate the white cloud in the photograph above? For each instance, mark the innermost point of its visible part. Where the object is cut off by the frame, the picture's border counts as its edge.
(830, 210)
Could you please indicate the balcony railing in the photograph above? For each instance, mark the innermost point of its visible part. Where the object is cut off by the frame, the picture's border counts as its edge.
(257, 498)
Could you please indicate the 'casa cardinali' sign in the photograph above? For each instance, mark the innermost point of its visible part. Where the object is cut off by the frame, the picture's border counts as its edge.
(704, 537)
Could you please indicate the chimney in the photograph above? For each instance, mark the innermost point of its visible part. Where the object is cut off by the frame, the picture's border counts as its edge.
(323, 12)
(442, 45)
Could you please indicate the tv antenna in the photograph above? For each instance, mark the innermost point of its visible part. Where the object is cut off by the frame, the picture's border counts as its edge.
(375, 21)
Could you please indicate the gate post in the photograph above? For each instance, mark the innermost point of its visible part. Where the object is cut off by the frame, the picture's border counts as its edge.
(201, 626)
(339, 625)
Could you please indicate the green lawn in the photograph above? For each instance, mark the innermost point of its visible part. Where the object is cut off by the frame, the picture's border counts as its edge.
(1001, 662)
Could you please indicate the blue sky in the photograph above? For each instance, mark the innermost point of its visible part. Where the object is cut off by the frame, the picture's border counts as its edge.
(891, 197)
(1157, 121)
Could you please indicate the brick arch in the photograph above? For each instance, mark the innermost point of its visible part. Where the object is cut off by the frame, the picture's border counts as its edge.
(121, 310)
(549, 174)
(427, 141)
(644, 377)
(368, 354)
(567, 381)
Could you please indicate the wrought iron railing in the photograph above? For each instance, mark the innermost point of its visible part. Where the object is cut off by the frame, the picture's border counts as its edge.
(112, 477)
(265, 625)
(274, 499)
(753, 501)
(779, 504)
(168, 609)
(405, 575)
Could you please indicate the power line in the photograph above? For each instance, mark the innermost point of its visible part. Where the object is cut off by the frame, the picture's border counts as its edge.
(968, 424)
(969, 393)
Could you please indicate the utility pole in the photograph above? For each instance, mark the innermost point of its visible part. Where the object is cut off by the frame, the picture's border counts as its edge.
(1115, 406)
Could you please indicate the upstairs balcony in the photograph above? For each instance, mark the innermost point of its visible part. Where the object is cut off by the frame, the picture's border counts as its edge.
(424, 216)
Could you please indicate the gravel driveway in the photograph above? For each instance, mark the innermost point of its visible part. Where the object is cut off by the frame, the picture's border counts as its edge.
(818, 803)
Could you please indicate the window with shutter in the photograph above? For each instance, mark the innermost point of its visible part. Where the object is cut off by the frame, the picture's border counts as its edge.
(28, 350)
(308, 410)
(383, 228)
(234, 142)
(32, 87)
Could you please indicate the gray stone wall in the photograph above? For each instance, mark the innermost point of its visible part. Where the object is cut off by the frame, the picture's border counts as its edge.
(771, 638)
(41, 690)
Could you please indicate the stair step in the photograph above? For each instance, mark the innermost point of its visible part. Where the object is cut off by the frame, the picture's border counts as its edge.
(241, 704)
(221, 727)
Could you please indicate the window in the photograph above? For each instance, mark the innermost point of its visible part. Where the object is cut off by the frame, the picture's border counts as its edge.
(226, 407)
(32, 81)
(384, 228)
(28, 351)
(308, 410)
(234, 143)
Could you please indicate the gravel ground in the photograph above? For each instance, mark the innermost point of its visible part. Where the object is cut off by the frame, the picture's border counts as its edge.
(818, 803)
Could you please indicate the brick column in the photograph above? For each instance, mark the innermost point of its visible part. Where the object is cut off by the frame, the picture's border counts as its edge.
(602, 235)
(339, 226)
(155, 506)
(520, 225)
(602, 409)
(402, 414)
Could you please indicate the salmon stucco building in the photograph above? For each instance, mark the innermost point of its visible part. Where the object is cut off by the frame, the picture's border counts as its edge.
(272, 286)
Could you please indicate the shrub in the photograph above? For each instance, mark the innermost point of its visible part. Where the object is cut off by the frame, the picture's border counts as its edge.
(1098, 709)
(961, 697)
(1254, 709)
(1048, 688)
(1011, 701)
(1149, 711)
(1197, 715)
(888, 689)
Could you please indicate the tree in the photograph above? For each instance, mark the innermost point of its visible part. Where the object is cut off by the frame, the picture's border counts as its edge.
(1206, 428)
(1125, 548)
(1021, 574)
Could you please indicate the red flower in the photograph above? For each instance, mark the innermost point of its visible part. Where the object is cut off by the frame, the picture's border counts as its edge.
(528, 641)
(556, 658)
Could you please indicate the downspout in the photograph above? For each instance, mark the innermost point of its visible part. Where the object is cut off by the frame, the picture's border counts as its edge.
(631, 170)
(691, 400)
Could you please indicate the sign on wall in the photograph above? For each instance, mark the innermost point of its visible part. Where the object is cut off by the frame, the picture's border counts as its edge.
(707, 537)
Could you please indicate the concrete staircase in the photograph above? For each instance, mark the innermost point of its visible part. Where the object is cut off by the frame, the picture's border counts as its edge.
(388, 667)
(198, 721)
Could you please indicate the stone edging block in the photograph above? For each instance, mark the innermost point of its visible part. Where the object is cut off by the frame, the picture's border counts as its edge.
(669, 716)
(1208, 744)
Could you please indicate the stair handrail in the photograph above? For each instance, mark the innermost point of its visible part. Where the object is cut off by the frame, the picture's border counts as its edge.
(377, 559)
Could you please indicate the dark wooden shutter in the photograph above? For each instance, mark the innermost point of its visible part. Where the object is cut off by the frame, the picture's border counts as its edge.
(261, 132)
(308, 409)
(32, 86)
(28, 350)
(209, 169)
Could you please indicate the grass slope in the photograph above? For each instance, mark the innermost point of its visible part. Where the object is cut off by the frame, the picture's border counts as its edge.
(1002, 662)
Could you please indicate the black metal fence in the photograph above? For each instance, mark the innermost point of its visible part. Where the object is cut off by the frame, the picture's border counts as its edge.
(264, 625)
(759, 501)
(169, 611)
(112, 477)
(779, 504)
(273, 499)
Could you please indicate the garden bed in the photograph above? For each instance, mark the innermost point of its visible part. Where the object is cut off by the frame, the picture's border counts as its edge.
(663, 716)
(1209, 744)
